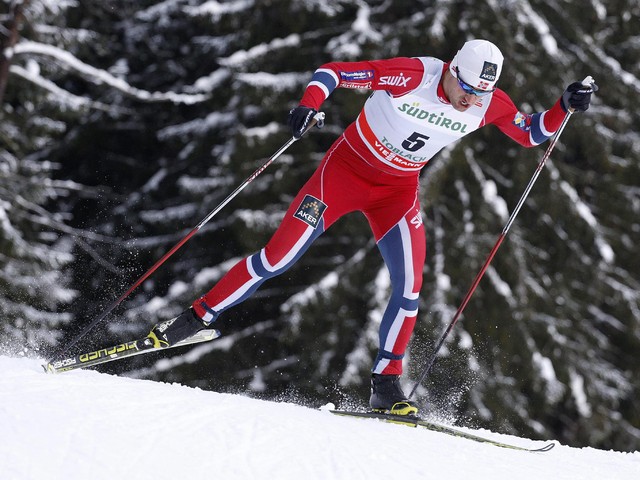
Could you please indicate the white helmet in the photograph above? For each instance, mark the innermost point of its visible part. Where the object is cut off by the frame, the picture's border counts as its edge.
(479, 63)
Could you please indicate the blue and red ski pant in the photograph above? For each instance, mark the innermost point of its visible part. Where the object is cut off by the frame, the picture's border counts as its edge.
(341, 184)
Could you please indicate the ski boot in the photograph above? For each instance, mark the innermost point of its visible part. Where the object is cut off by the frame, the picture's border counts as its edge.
(170, 332)
(387, 396)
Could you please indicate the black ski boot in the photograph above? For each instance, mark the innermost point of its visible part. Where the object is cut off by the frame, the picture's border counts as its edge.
(170, 332)
(387, 396)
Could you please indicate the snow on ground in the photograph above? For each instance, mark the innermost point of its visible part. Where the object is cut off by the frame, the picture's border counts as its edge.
(85, 424)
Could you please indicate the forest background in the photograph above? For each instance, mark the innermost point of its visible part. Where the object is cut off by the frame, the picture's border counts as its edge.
(124, 123)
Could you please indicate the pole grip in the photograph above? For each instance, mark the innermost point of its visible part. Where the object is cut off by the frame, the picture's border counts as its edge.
(588, 82)
(317, 120)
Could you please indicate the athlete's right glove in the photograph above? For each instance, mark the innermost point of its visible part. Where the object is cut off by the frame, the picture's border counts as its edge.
(299, 119)
(578, 96)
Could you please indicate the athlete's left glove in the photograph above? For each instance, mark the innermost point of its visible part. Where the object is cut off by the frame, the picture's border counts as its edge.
(299, 119)
(578, 96)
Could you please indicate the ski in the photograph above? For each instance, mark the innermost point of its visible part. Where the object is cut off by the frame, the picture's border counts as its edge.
(122, 350)
(413, 421)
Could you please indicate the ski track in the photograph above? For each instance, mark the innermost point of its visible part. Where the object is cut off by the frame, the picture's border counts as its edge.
(85, 424)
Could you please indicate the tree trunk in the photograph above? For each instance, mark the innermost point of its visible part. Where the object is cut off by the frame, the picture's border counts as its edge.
(8, 38)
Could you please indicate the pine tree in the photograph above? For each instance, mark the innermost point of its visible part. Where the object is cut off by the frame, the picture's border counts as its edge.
(546, 345)
(33, 252)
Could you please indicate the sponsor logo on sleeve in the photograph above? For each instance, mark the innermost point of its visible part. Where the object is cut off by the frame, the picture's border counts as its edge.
(358, 76)
(310, 210)
(366, 85)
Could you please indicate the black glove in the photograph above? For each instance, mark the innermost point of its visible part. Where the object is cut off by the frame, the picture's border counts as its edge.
(578, 96)
(299, 119)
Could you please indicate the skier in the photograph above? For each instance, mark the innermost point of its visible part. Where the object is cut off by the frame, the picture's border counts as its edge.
(419, 105)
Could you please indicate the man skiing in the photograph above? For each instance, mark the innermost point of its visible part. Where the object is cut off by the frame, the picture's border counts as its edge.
(419, 105)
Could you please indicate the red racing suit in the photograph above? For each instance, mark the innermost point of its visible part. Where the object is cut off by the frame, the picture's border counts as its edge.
(373, 168)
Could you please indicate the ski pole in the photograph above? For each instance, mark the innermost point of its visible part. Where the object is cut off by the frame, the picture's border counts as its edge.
(318, 119)
(586, 82)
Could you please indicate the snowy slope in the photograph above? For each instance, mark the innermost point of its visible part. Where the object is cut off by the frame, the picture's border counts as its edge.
(85, 424)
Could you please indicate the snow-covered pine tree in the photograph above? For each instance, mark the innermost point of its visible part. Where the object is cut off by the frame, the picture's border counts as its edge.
(47, 92)
(547, 345)
(33, 250)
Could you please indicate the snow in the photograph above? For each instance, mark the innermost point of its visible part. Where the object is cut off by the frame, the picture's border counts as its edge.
(276, 83)
(579, 395)
(243, 57)
(554, 388)
(531, 17)
(92, 74)
(85, 424)
(217, 9)
(583, 210)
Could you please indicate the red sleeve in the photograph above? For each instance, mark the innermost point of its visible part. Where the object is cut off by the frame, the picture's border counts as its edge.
(397, 76)
(528, 130)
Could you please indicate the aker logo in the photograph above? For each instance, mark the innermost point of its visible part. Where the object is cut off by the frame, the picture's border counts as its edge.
(310, 211)
(360, 76)
(489, 71)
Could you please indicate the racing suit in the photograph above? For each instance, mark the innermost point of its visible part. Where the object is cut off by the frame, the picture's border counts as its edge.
(373, 168)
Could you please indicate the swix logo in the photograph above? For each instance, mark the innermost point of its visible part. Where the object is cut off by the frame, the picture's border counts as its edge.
(395, 80)
(310, 210)
(417, 220)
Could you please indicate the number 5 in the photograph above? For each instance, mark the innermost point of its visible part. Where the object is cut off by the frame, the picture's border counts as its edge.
(415, 142)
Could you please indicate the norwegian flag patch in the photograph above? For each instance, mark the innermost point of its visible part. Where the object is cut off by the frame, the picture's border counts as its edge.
(523, 122)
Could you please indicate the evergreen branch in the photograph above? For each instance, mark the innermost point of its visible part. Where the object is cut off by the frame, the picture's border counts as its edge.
(100, 77)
